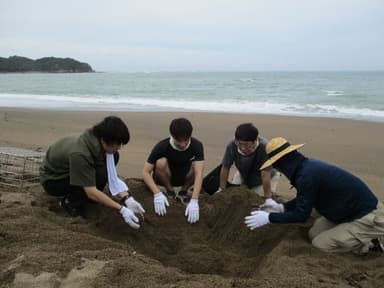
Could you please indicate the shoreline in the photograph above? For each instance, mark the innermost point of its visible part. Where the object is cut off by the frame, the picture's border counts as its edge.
(371, 119)
(354, 145)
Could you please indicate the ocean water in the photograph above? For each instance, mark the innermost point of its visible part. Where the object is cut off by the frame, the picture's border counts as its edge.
(355, 95)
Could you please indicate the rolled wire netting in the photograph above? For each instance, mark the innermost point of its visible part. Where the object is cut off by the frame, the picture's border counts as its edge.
(19, 167)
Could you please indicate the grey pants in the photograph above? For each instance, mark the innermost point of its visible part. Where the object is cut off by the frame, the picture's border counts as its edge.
(350, 236)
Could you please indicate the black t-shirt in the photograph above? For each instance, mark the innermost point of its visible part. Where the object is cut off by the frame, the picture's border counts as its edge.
(195, 152)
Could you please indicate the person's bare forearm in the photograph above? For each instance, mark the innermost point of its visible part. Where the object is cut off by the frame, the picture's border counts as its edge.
(266, 179)
(148, 179)
(224, 174)
(98, 196)
(199, 169)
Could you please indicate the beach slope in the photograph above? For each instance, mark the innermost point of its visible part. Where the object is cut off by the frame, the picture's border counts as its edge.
(41, 247)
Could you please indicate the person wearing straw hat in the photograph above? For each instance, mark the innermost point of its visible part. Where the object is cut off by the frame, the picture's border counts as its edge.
(247, 152)
(352, 218)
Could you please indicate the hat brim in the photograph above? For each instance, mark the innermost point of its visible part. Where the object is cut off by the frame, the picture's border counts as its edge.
(276, 157)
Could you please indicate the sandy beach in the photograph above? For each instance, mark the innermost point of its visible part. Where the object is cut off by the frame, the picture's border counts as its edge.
(41, 247)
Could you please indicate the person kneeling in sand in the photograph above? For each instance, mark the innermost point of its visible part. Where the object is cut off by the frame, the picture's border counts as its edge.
(176, 161)
(78, 168)
(352, 218)
(247, 152)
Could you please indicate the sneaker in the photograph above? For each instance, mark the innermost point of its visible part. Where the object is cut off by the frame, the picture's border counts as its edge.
(67, 206)
(183, 197)
(377, 246)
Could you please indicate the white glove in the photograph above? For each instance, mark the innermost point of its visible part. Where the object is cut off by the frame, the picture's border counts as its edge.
(192, 211)
(271, 205)
(160, 201)
(129, 217)
(257, 219)
(135, 206)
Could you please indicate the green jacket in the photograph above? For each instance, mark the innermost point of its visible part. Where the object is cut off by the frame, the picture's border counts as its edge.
(76, 157)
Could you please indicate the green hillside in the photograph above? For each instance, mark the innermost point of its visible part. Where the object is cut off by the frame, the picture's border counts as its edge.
(46, 64)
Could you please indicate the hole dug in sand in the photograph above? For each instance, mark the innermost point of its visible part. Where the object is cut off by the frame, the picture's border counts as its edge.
(219, 243)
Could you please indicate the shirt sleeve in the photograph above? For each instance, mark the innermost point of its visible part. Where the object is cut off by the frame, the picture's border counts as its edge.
(300, 209)
(290, 205)
(155, 154)
(199, 152)
(81, 171)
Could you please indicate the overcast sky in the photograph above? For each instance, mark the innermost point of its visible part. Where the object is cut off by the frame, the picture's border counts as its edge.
(198, 35)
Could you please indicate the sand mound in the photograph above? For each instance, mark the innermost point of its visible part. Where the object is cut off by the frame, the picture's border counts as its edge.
(41, 247)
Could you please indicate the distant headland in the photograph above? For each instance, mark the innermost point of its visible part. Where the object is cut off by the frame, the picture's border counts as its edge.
(46, 64)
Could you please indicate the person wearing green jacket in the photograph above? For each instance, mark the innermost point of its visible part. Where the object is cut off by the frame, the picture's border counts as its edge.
(75, 168)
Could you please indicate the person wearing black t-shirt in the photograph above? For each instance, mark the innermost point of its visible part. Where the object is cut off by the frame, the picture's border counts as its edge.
(176, 161)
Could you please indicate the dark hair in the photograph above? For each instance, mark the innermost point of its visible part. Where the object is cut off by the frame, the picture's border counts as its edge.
(180, 128)
(246, 132)
(113, 130)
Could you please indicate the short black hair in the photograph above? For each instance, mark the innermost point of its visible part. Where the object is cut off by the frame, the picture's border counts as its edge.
(246, 132)
(180, 128)
(112, 130)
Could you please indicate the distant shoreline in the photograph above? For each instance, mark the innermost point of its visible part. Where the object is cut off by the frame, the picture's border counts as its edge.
(170, 111)
(99, 109)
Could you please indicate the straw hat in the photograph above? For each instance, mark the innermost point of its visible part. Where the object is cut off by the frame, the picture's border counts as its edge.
(277, 148)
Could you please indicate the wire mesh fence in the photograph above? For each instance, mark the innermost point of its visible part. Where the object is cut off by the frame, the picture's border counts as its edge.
(19, 167)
